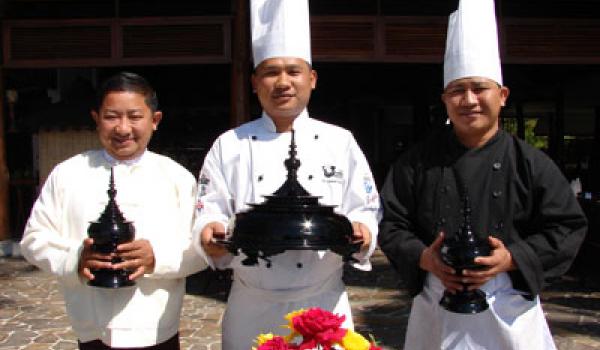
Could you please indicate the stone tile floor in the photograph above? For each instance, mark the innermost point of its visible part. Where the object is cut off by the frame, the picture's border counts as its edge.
(32, 313)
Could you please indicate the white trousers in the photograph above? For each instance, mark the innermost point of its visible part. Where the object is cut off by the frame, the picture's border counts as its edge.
(511, 323)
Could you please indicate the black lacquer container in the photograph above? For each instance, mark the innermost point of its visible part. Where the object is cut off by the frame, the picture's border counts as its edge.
(110, 230)
(459, 252)
(290, 219)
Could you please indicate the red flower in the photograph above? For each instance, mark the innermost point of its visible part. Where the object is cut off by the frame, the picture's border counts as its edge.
(374, 347)
(277, 343)
(308, 345)
(315, 320)
(318, 326)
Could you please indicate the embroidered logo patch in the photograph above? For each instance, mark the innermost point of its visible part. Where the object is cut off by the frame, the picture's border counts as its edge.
(368, 183)
(204, 181)
(330, 172)
(372, 198)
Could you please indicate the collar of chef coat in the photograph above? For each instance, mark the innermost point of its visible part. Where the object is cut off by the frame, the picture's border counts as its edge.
(128, 162)
(299, 122)
(454, 149)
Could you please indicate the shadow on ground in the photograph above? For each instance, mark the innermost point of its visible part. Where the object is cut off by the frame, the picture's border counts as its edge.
(386, 322)
(586, 302)
(591, 328)
(381, 276)
(14, 267)
(210, 283)
(575, 291)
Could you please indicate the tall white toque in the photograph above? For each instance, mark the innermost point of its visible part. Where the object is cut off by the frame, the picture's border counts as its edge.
(280, 28)
(472, 42)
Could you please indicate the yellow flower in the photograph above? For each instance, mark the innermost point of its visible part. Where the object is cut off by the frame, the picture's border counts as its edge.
(293, 314)
(263, 338)
(355, 341)
(293, 334)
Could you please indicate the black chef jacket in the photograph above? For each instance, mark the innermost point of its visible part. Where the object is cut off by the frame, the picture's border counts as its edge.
(517, 194)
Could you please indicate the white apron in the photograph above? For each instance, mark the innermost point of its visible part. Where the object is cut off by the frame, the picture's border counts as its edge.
(511, 323)
(251, 311)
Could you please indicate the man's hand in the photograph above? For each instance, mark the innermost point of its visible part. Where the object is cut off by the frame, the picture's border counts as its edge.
(138, 257)
(91, 260)
(360, 232)
(500, 260)
(212, 231)
(431, 261)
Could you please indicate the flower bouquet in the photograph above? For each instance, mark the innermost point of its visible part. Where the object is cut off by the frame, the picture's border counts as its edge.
(315, 329)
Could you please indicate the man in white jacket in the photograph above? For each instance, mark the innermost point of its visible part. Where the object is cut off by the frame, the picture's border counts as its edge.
(246, 163)
(154, 192)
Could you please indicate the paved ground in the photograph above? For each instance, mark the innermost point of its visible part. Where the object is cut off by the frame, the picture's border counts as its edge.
(32, 313)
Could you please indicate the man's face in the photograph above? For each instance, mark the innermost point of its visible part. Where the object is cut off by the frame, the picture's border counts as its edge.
(283, 86)
(125, 124)
(473, 105)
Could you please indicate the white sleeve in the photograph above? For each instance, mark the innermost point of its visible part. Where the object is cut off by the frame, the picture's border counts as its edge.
(361, 200)
(215, 202)
(46, 242)
(187, 261)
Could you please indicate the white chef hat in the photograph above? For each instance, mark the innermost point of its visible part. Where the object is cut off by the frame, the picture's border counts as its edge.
(472, 42)
(280, 28)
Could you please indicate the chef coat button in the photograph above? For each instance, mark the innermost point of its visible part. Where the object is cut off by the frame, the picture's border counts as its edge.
(497, 166)
(500, 225)
(254, 137)
(299, 265)
(310, 177)
(497, 193)
(260, 177)
(443, 221)
(316, 136)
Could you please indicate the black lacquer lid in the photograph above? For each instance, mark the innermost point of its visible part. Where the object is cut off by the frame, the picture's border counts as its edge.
(111, 228)
(290, 219)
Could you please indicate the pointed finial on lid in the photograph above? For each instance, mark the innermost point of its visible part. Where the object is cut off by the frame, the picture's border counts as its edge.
(291, 187)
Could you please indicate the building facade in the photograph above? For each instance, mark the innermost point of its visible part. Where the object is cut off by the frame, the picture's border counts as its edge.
(379, 65)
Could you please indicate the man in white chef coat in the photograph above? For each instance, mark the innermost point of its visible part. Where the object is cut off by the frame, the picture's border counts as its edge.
(246, 163)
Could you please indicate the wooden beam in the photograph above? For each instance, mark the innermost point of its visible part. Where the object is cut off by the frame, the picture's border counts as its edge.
(594, 184)
(597, 128)
(4, 175)
(240, 65)
(559, 128)
(116, 42)
(551, 41)
(335, 38)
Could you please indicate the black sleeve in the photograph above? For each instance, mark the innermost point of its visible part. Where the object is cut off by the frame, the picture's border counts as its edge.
(555, 229)
(398, 237)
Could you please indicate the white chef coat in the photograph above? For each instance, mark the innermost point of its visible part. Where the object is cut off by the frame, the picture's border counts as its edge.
(247, 163)
(158, 196)
(511, 322)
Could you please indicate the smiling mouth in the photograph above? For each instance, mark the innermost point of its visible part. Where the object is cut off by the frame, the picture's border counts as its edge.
(283, 96)
(471, 114)
(122, 142)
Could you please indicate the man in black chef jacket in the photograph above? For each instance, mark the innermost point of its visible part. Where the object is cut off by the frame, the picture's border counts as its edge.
(518, 195)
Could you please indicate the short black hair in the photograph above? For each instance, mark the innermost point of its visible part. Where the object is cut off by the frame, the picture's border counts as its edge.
(127, 81)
